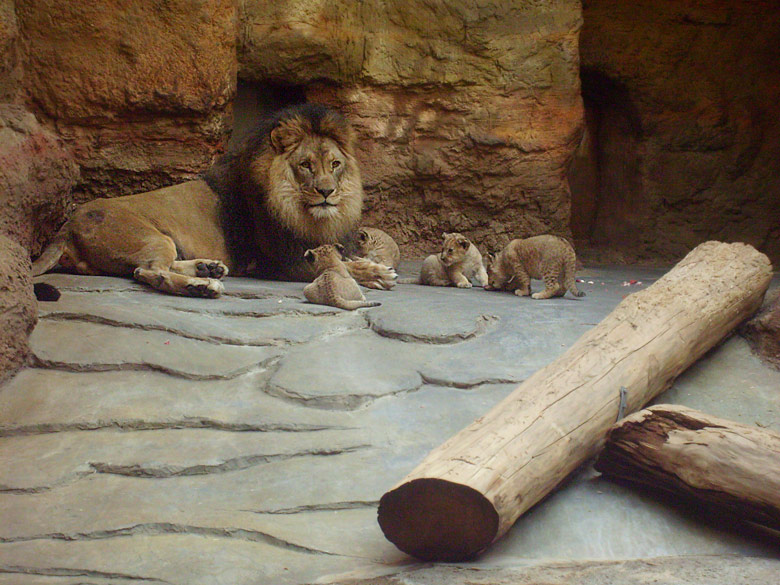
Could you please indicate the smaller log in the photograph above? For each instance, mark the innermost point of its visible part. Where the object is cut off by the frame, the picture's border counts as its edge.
(730, 466)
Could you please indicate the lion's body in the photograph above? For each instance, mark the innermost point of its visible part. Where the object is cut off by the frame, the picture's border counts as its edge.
(549, 258)
(458, 262)
(293, 185)
(378, 246)
(334, 285)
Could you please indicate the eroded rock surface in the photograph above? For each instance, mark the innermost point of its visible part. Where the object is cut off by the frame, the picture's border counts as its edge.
(17, 305)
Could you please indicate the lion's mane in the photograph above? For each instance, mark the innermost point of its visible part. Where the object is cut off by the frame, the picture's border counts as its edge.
(266, 229)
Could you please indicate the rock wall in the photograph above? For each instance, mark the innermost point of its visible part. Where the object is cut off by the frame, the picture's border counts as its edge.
(467, 113)
(684, 127)
(140, 91)
(17, 305)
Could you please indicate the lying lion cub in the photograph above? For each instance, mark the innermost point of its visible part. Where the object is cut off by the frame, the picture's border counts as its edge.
(547, 257)
(458, 262)
(334, 286)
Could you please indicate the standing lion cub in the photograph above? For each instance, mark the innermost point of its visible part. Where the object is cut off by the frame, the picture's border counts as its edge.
(458, 262)
(333, 286)
(549, 258)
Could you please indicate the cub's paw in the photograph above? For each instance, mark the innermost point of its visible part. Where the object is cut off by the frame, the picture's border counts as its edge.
(463, 285)
(522, 293)
(208, 288)
(210, 269)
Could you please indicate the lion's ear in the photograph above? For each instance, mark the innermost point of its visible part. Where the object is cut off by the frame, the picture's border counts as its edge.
(444, 234)
(491, 257)
(362, 235)
(308, 255)
(340, 249)
(287, 134)
(464, 244)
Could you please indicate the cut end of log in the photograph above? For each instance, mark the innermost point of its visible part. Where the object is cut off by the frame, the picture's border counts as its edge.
(438, 520)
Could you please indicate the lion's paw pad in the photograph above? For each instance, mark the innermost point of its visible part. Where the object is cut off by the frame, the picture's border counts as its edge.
(210, 289)
(211, 269)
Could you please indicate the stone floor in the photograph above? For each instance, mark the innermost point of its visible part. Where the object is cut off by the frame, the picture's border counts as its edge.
(247, 439)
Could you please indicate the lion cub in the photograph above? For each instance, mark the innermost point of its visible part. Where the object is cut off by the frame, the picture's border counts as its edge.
(333, 286)
(549, 258)
(378, 246)
(458, 262)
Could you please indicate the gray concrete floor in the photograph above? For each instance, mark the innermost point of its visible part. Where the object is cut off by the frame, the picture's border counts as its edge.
(248, 439)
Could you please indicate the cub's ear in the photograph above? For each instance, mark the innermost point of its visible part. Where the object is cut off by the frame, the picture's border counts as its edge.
(464, 244)
(308, 255)
(340, 249)
(491, 257)
(444, 234)
(362, 236)
(287, 134)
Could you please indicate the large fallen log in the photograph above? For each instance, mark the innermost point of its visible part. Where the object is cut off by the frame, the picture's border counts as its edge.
(735, 468)
(469, 491)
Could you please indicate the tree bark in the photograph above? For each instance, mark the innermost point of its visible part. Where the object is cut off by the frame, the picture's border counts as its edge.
(731, 466)
(469, 491)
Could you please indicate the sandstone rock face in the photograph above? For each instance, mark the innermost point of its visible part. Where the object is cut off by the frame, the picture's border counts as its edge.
(17, 305)
(467, 113)
(36, 178)
(140, 91)
(763, 331)
(10, 63)
(684, 132)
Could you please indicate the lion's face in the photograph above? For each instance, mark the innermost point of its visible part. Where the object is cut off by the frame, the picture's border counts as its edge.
(313, 183)
(318, 166)
(454, 248)
(324, 257)
(497, 277)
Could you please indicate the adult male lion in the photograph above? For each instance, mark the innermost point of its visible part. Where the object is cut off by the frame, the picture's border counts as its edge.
(294, 184)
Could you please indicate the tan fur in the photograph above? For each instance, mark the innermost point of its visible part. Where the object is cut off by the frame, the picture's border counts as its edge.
(377, 246)
(138, 235)
(294, 185)
(458, 262)
(549, 258)
(334, 285)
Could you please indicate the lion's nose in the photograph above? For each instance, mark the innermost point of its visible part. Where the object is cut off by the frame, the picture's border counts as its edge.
(325, 192)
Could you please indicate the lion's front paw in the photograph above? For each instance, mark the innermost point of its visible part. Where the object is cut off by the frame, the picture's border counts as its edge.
(463, 285)
(210, 269)
(209, 288)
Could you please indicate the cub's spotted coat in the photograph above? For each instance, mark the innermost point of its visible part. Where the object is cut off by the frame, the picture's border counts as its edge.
(549, 258)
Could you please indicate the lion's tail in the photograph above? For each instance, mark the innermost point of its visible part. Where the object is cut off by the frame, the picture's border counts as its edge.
(412, 280)
(50, 255)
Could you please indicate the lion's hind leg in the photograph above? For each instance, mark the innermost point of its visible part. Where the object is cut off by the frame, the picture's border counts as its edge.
(155, 265)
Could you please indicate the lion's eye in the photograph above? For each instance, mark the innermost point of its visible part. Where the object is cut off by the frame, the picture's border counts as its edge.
(335, 164)
(306, 165)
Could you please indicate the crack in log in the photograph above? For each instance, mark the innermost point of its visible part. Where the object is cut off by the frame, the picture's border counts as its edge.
(39, 362)
(332, 507)
(186, 423)
(235, 464)
(67, 572)
(482, 325)
(167, 528)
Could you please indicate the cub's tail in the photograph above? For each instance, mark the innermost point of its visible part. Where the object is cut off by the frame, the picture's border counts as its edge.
(50, 256)
(352, 305)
